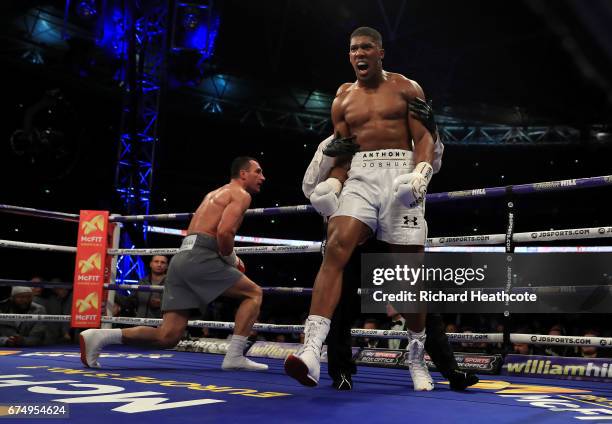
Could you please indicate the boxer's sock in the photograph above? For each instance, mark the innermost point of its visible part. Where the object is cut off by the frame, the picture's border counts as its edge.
(235, 360)
(92, 342)
(110, 336)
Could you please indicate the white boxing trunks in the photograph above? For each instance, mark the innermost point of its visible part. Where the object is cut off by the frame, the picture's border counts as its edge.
(367, 195)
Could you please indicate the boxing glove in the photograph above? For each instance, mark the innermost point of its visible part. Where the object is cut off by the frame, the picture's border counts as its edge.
(410, 189)
(324, 198)
(240, 265)
(233, 260)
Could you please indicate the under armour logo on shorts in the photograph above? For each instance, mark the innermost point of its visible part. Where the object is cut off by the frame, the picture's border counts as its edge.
(408, 220)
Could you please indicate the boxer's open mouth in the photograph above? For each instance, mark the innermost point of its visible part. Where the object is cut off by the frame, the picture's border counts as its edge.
(362, 66)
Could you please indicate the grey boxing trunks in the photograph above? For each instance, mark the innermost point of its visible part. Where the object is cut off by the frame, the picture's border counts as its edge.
(197, 275)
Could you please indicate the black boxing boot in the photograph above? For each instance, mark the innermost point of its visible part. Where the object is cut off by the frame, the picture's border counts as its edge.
(461, 380)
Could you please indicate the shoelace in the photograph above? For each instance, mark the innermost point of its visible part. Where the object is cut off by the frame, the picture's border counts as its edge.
(311, 329)
(415, 351)
(313, 349)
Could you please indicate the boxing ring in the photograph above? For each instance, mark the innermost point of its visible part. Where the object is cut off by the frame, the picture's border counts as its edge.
(189, 386)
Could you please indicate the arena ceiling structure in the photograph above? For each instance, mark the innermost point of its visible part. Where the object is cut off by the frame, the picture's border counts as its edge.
(518, 63)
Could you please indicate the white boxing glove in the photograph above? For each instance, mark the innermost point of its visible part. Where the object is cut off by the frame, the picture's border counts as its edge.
(411, 188)
(324, 198)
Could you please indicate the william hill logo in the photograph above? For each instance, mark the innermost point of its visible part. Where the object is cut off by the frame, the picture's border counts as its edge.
(94, 262)
(94, 224)
(546, 367)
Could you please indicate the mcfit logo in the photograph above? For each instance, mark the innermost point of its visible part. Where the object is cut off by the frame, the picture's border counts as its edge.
(90, 301)
(94, 224)
(94, 262)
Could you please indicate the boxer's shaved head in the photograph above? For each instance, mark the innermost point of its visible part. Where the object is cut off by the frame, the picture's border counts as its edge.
(368, 32)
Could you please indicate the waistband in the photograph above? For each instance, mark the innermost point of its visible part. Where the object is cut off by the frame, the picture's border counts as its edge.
(199, 240)
(384, 158)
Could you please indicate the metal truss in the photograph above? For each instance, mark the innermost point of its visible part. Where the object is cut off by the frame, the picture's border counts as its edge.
(243, 101)
(30, 36)
(509, 135)
(249, 102)
(144, 73)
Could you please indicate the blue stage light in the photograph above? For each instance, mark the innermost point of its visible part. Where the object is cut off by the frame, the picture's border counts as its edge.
(86, 9)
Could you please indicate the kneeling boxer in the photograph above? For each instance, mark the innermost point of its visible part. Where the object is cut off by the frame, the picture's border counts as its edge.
(205, 268)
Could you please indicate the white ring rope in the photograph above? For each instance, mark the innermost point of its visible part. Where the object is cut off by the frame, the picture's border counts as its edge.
(297, 290)
(485, 239)
(356, 332)
(36, 246)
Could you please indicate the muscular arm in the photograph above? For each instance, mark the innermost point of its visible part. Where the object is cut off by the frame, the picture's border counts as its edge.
(423, 141)
(340, 169)
(230, 222)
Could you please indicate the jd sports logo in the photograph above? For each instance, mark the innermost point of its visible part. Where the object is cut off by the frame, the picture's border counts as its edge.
(408, 220)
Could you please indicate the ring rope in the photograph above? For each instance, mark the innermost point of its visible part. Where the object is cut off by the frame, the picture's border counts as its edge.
(522, 249)
(138, 287)
(36, 246)
(488, 192)
(237, 238)
(294, 290)
(41, 213)
(485, 239)
(356, 332)
(547, 186)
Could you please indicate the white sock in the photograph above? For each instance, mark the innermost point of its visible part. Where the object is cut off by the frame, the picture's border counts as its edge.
(110, 336)
(235, 359)
(237, 345)
(420, 336)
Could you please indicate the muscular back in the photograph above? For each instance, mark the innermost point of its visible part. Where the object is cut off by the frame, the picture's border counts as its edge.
(377, 116)
(207, 217)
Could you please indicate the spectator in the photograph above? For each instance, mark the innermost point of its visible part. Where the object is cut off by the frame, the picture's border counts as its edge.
(451, 328)
(522, 348)
(40, 294)
(590, 351)
(58, 303)
(371, 324)
(556, 330)
(37, 292)
(21, 333)
(146, 304)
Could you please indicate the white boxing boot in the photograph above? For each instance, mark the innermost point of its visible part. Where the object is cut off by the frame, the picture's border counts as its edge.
(421, 380)
(305, 365)
(92, 342)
